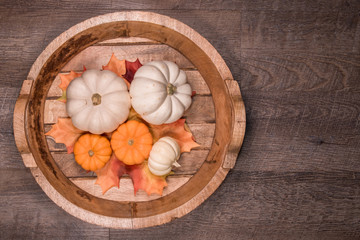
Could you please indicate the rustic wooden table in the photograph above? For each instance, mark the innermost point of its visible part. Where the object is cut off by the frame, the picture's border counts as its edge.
(298, 67)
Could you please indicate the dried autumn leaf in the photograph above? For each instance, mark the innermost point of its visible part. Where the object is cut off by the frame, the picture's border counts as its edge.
(65, 132)
(177, 130)
(117, 66)
(65, 81)
(109, 176)
(143, 179)
(131, 68)
(140, 174)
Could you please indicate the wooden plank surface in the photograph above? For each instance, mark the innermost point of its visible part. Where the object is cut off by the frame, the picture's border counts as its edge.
(126, 190)
(297, 64)
(96, 56)
(202, 105)
(189, 163)
(200, 112)
(194, 78)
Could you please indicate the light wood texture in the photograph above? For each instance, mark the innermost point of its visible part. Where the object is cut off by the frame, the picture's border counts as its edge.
(239, 122)
(19, 124)
(126, 190)
(127, 41)
(95, 56)
(190, 163)
(73, 49)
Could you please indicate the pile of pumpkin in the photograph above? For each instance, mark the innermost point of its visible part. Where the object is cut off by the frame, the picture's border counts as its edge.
(99, 102)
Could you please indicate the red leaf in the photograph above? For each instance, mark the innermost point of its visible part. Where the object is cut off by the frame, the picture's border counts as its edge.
(109, 176)
(131, 68)
(177, 130)
(65, 81)
(117, 66)
(65, 132)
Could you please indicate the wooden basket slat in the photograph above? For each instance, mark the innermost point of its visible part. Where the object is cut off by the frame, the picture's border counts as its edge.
(127, 41)
(126, 190)
(95, 57)
(190, 163)
(203, 134)
(201, 105)
(196, 81)
(68, 165)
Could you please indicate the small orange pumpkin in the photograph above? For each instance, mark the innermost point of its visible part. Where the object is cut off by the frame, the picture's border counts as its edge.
(92, 151)
(132, 142)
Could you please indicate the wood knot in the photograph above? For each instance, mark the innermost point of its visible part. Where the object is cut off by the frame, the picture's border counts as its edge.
(83, 194)
(316, 140)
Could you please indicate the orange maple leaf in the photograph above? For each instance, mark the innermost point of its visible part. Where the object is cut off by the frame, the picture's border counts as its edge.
(177, 130)
(109, 175)
(117, 66)
(142, 178)
(65, 81)
(65, 132)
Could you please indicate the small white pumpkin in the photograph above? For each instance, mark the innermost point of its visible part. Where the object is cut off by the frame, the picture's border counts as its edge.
(160, 92)
(163, 155)
(98, 101)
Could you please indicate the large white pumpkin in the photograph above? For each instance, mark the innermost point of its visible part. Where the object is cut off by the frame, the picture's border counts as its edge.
(160, 92)
(98, 101)
(163, 156)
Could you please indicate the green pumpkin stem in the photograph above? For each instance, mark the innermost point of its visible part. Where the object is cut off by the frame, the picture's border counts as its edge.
(91, 153)
(171, 89)
(131, 142)
(96, 99)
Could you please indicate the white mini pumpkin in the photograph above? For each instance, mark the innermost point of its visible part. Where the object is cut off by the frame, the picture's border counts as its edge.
(163, 155)
(98, 101)
(160, 92)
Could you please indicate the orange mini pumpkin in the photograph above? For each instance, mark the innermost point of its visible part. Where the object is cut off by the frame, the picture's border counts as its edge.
(92, 151)
(132, 142)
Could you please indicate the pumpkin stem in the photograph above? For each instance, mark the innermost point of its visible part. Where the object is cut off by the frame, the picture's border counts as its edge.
(96, 99)
(131, 142)
(176, 164)
(171, 89)
(91, 153)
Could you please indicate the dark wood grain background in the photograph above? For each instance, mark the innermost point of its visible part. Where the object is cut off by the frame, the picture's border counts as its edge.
(298, 67)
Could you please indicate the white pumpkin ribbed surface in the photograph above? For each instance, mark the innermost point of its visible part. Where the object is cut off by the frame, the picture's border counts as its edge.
(98, 101)
(160, 92)
(163, 155)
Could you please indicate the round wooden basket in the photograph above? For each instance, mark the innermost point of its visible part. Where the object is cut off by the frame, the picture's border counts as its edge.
(216, 118)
